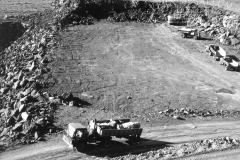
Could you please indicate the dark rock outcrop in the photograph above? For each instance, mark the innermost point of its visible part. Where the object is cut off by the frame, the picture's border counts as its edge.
(10, 30)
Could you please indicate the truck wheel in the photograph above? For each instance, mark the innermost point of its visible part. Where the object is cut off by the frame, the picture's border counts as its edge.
(183, 35)
(107, 143)
(81, 146)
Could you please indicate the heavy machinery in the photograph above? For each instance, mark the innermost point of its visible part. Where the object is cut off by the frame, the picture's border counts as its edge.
(216, 51)
(102, 132)
(229, 63)
(190, 33)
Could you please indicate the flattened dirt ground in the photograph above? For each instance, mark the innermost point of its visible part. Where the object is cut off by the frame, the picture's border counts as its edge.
(135, 70)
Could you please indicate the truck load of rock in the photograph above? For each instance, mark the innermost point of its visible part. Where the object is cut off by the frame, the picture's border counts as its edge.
(129, 125)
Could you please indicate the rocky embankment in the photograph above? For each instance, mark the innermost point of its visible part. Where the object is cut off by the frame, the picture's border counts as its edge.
(27, 111)
(222, 25)
(186, 149)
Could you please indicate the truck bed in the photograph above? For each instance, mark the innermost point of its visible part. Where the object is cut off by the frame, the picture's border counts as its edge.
(118, 132)
(107, 121)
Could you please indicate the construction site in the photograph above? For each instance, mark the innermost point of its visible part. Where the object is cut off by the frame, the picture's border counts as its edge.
(119, 79)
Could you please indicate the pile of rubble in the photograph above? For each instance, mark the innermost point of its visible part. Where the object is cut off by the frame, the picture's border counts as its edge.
(186, 149)
(218, 23)
(183, 113)
(26, 111)
(187, 112)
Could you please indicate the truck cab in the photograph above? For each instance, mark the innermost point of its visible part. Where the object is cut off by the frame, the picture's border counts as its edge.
(75, 132)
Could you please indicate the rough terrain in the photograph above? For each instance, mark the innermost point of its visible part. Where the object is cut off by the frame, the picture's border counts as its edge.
(143, 71)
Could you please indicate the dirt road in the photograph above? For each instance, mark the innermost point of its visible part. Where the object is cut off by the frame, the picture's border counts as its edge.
(152, 138)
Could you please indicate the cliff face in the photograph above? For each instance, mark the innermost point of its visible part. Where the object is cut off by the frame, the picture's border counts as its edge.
(10, 31)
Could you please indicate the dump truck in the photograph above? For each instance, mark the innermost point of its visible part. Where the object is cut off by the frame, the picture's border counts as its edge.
(216, 51)
(101, 132)
(190, 33)
(230, 63)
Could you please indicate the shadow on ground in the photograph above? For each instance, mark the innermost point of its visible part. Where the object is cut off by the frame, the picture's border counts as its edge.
(122, 148)
(205, 39)
(2, 148)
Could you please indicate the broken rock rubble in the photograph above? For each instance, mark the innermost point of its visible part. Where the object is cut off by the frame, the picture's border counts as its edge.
(26, 112)
(187, 112)
(186, 149)
(182, 113)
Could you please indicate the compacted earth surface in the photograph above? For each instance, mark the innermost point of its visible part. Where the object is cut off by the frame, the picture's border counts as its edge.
(186, 102)
(145, 72)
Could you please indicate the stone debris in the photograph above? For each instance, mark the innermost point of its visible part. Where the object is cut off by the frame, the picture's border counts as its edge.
(187, 112)
(27, 113)
(183, 113)
(217, 23)
(186, 149)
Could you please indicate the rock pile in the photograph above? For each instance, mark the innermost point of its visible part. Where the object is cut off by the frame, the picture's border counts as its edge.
(26, 112)
(187, 112)
(218, 23)
(222, 25)
(186, 149)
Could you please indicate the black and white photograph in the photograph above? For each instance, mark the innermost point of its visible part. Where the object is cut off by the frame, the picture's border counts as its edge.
(119, 80)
